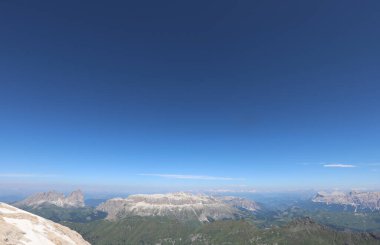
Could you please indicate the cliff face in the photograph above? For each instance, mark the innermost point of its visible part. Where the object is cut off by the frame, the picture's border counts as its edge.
(20, 227)
(75, 199)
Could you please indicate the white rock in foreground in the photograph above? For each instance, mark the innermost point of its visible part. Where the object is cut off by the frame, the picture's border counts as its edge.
(20, 227)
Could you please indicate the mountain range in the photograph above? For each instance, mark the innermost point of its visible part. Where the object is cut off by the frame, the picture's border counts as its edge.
(356, 199)
(186, 218)
(183, 206)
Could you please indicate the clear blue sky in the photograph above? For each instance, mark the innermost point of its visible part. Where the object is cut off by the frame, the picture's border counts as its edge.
(191, 94)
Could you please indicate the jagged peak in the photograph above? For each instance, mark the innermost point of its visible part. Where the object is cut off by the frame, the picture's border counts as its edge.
(74, 199)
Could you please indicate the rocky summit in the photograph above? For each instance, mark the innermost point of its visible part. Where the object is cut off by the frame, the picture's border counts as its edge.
(357, 199)
(183, 206)
(21, 227)
(74, 200)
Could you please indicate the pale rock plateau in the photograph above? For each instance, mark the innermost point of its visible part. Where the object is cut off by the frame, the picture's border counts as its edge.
(182, 206)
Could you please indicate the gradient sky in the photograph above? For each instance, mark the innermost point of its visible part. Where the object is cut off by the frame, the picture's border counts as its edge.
(190, 94)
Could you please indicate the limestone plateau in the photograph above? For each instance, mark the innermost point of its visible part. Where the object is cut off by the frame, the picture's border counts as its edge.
(183, 206)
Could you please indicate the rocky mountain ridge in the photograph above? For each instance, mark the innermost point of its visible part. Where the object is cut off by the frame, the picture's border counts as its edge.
(73, 200)
(20, 227)
(357, 199)
(184, 206)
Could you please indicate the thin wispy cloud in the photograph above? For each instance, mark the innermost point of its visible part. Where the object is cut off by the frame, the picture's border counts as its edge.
(26, 175)
(338, 165)
(191, 177)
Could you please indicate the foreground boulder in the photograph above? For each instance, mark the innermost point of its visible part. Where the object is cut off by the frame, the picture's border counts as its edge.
(20, 227)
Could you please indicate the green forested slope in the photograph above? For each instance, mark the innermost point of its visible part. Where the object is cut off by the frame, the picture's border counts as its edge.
(154, 230)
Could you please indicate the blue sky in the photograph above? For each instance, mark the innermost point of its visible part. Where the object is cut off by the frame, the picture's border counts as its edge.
(190, 95)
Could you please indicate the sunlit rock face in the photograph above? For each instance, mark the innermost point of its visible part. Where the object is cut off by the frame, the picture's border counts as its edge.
(181, 205)
(74, 200)
(21, 227)
(359, 199)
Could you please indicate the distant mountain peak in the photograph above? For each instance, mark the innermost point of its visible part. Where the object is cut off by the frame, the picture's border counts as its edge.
(74, 199)
(241, 203)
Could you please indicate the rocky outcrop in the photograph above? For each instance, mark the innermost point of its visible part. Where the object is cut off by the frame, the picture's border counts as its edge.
(183, 206)
(357, 199)
(20, 227)
(74, 200)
